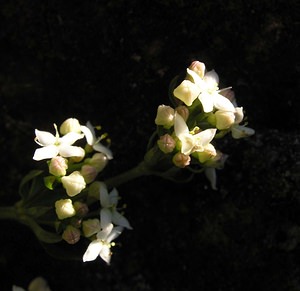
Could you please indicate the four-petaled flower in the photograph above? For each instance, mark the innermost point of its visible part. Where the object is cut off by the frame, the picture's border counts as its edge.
(53, 145)
(192, 142)
(102, 244)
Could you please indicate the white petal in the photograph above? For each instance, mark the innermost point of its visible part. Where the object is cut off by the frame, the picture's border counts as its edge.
(116, 231)
(71, 151)
(103, 149)
(205, 137)
(105, 218)
(105, 254)
(239, 131)
(104, 197)
(211, 78)
(120, 220)
(187, 144)
(210, 174)
(47, 152)
(90, 138)
(206, 101)
(104, 233)
(180, 126)
(195, 77)
(44, 138)
(92, 251)
(114, 196)
(222, 103)
(70, 138)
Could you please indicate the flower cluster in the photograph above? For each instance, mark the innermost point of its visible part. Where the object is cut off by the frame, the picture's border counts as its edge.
(203, 113)
(75, 168)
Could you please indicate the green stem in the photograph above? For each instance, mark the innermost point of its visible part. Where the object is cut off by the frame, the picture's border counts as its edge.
(138, 171)
(9, 212)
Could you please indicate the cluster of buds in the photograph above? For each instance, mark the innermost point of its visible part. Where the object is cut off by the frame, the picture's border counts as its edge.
(202, 114)
(75, 156)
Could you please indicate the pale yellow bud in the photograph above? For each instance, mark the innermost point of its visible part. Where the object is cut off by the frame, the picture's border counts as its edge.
(70, 125)
(181, 160)
(74, 183)
(89, 173)
(99, 161)
(81, 208)
(90, 227)
(165, 116)
(224, 119)
(183, 111)
(166, 143)
(198, 68)
(187, 92)
(94, 190)
(58, 166)
(64, 208)
(208, 153)
(71, 235)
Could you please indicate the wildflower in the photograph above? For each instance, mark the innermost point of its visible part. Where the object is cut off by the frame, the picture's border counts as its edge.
(192, 142)
(54, 145)
(109, 212)
(64, 208)
(74, 183)
(102, 245)
(93, 141)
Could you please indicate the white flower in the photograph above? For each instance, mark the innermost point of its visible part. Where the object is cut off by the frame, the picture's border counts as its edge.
(54, 145)
(101, 246)
(192, 142)
(93, 141)
(205, 88)
(109, 212)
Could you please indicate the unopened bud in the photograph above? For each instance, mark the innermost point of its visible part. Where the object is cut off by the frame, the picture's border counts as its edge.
(181, 160)
(89, 173)
(224, 119)
(74, 183)
(183, 111)
(71, 235)
(90, 227)
(99, 161)
(64, 208)
(166, 143)
(198, 68)
(70, 125)
(38, 284)
(58, 166)
(187, 92)
(81, 208)
(94, 190)
(165, 116)
(208, 153)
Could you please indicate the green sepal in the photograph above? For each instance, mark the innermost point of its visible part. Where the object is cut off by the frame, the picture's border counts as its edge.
(49, 181)
(29, 185)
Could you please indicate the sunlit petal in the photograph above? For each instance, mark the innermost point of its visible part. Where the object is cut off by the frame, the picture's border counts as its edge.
(71, 151)
(47, 152)
(102, 149)
(44, 138)
(120, 220)
(92, 251)
(105, 218)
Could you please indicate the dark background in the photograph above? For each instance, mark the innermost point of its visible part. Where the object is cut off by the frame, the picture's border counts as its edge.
(111, 62)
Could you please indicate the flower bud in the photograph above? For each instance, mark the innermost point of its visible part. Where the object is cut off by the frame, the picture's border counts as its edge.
(90, 227)
(58, 166)
(71, 235)
(183, 111)
(98, 161)
(38, 284)
(94, 190)
(165, 116)
(166, 143)
(81, 208)
(181, 160)
(70, 125)
(64, 208)
(73, 183)
(198, 68)
(89, 173)
(187, 92)
(208, 153)
(224, 119)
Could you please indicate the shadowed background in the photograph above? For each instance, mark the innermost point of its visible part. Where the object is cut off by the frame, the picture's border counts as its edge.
(111, 62)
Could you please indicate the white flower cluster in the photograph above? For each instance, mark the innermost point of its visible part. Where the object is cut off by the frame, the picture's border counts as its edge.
(76, 167)
(204, 113)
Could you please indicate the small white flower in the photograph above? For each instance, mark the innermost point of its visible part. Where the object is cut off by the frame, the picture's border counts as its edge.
(52, 145)
(192, 142)
(93, 141)
(101, 246)
(109, 212)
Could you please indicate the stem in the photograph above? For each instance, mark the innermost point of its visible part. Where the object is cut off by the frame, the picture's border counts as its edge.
(138, 171)
(8, 212)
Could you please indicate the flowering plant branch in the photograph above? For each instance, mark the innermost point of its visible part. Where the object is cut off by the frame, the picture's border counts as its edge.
(70, 200)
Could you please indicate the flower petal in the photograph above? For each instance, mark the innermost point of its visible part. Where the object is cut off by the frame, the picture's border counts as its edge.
(120, 220)
(105, 254)
(104, 233)
(92, 251)
(206, 101)
(103, 149)
(114, 197)
(89, 134)
(205, 137)
(222, 103)
(180, 127)
(239, 131)
(116, 231)
(44, 138)
(67, 151)
(47, 152)
(70, 138)
(104, 197)
(105, 218)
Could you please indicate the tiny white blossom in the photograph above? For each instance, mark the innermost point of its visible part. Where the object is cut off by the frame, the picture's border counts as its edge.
(192, 142)
(94, 141)
(53, 145)
(102, 245)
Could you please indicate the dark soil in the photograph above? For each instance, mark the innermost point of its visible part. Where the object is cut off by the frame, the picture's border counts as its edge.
(111, 62)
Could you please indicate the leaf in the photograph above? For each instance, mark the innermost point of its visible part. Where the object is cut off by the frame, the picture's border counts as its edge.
(28, 185)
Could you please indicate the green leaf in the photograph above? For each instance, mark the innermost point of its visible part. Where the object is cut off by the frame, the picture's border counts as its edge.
(49, 181)
(27, 186)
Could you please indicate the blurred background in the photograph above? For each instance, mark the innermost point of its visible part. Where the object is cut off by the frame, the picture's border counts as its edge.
(111, 62)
